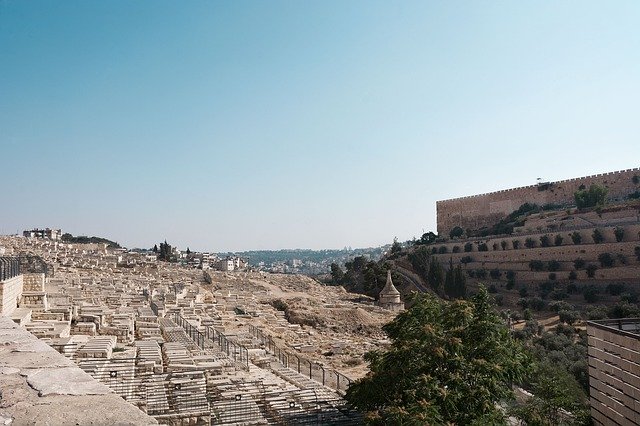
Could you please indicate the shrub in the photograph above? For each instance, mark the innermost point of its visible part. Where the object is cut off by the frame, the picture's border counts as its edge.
(456, 232)
(623, 310)
(552, 276)
(545, 241)
(530, 243)
(495, 274)
(636, 251)
(597, 236)
(536, 303)
(516, 244)
(511, 275)
(553, 265)
(576, 237)
(579, 263)
(591, 270)
(590, 294)
(495, 246)
(569, 316)
(572, 288)
(596, 195)
(558, 295)
(523, 292)
(573, 275)
(619, 233)
(635, 179)
(546, 287)
(615, 289)
(442, 249)
(558, 240)
(434, 250)
(456, 249)
(466, 259)
(523, 303)
(499, 298)
(559, 306)
(606, 260)
(536, 265)
(492, 288)
(468, 247)
(503, 244)
(483, 247)
(481, 273)
(510, 284)
(629, 297)
(596, 313)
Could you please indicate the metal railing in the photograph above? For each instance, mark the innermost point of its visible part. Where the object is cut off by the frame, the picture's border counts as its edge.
(314, 371)
(210, 337)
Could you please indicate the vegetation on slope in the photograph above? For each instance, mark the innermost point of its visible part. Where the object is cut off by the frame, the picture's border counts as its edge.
(82, 239)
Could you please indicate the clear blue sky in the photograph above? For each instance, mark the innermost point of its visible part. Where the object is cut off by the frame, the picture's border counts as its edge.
(314, 124)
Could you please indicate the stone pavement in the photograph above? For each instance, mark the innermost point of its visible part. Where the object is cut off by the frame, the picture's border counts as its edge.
(39, 386)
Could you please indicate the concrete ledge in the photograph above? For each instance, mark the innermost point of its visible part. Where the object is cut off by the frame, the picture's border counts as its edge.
(39, 386)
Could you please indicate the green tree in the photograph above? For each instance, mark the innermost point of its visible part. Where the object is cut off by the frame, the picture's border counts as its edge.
(337, 274)
(619, 233)
(456, 232)
(558, 240)
(449, 362)
(595, 196)
(597, 236)
(155, 248)
(545, 241)
(576, 237)
(395, 247)
(435, 277)
(427, 238)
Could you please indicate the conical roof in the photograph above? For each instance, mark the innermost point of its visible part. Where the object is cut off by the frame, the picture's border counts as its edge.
(389, 288)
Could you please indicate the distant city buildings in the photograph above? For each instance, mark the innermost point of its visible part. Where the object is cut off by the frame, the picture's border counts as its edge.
(47, 233)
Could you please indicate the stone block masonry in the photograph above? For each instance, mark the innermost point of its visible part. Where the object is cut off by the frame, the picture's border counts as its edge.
(39, 386)
(476, 211)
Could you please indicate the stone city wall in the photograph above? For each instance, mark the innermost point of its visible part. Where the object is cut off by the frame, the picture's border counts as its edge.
(476, 211)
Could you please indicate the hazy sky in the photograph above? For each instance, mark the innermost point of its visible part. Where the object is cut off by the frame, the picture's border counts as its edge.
(301, 124)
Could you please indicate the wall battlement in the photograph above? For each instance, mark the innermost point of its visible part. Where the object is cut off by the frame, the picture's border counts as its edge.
(476, 211)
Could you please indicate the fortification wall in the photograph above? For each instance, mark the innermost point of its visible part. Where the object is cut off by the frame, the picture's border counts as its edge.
(476, 211)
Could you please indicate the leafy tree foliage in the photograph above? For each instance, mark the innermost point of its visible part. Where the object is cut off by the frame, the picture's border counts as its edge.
(606, 260)
(455, 283)
(395, 247)
(595, 196)
(450, 362)
(337, 274)
(558, 240)
(597, 236)
(165, 252)
(468, 247)
(435, 276)
(365, 276)
(456, 232)
(545, 241)
(530, 243)
(591, 270)
(619, 233)
(576, 237)
(427, 238)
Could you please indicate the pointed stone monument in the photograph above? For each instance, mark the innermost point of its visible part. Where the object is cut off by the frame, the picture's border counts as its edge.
(389, 297)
